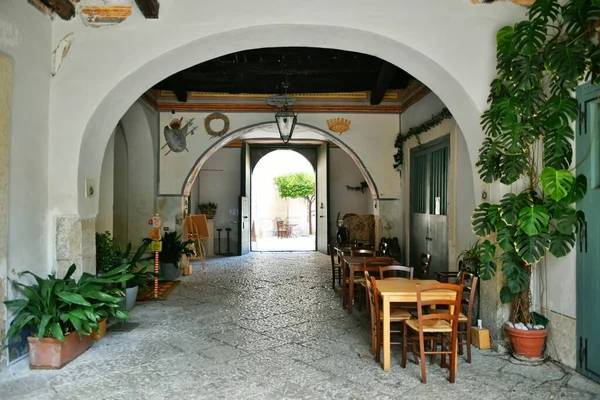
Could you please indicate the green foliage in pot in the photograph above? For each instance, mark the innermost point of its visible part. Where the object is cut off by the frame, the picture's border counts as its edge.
(173, 248)
(136, 266)
(470, 258)
(54, 307)
(528, 138)
(106, 252)
(208, 208)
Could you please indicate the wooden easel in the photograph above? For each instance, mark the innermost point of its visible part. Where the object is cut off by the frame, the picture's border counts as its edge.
(196, 229)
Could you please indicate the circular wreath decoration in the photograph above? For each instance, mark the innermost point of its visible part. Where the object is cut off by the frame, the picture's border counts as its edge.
(212, 117)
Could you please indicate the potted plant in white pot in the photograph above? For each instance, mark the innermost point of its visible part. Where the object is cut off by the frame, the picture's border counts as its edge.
(63, 313)
(172, 250)
(528, 142)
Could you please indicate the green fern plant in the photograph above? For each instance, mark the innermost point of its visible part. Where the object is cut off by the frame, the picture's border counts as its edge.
(527, 130)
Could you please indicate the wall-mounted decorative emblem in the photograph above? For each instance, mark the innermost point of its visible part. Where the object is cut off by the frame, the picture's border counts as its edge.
(339, 125)
(211, 132)
(104, 13)
(176, 133)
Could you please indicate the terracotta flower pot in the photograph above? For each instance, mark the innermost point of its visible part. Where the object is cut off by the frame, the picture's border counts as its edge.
(528, 343)
(97, 335)
(51, 353)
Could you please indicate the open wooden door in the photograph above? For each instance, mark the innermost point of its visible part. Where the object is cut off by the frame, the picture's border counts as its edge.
(322, 204)
(588, 251)
(244, 204)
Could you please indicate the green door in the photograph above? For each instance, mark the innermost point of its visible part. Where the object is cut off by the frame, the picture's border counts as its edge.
(588, 252)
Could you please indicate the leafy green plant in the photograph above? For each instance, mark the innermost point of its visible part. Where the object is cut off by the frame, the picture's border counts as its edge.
(208, 208)
(295, 186)
(173, 248)
(470, 258)
(106, 252)
(136, 266)
(527, 129)
(54, 307)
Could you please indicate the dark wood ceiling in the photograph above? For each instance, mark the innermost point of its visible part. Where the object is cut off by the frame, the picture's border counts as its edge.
(305, 69)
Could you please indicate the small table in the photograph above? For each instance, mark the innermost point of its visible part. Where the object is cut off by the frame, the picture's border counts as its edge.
(403, 291)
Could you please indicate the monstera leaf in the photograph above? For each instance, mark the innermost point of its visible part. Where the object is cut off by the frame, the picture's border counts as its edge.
(559, 110)
(533, 219)
(532, 248)
(489, 161)
(484, 219)
(513, 167)
(557, 183)
(560, 243)
(511, 205)
(529, 37)
(486, 267)
(544, 10)
(517, 279)
(558, 151)
(578, 189)
(568, 221)
(506, 238)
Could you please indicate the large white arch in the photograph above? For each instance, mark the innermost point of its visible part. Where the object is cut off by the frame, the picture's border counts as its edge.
(447, 45)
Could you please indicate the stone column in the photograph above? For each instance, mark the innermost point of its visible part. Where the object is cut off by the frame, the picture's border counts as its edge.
(75, 243)
(492, 312)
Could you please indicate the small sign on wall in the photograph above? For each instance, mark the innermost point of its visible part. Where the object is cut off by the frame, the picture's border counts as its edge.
(89, 188)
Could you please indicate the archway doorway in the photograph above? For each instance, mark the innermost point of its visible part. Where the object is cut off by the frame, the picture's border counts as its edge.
(282, 201)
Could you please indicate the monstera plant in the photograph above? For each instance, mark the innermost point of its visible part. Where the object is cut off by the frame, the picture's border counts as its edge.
(528, 142)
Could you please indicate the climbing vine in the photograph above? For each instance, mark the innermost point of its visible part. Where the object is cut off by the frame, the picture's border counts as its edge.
(363, 186)
(416, 132)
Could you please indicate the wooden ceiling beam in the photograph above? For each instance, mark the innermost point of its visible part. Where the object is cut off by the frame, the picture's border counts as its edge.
(149, 8)
(63, 8)
(386, 75)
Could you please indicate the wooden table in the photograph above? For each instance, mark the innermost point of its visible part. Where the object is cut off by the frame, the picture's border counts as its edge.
(355, 264)
(403, 291)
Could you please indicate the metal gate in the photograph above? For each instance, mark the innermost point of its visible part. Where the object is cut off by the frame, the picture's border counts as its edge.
(588, 251)
(429, 204)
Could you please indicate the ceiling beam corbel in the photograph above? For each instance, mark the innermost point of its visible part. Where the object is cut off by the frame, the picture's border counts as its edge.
(386, 75)
(63, 8)
(149, 8)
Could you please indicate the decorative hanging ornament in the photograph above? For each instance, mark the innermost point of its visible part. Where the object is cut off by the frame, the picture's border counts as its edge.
(175, 135)
(212, 133)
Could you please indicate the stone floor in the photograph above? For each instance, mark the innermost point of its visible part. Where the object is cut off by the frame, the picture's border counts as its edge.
(268, 326)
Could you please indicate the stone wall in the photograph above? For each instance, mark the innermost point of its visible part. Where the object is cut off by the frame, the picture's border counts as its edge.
(75, 243)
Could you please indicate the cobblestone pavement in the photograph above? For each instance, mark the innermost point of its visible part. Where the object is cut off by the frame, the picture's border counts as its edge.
(268, 326)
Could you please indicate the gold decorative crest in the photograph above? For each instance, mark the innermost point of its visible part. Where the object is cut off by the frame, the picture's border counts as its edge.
(339, 125)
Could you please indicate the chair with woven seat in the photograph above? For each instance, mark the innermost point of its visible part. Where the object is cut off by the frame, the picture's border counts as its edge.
(377, 317)
(469, 282)
(394, 272)
(434, 324)
(335, 267)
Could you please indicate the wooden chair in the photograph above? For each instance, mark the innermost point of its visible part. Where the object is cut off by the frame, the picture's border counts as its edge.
(394, 269)
(335, 267)
(346, 292)
(282, 230)
(469, 283)
(424, 265)
(434, 324)
(377, 317)
(372, 264)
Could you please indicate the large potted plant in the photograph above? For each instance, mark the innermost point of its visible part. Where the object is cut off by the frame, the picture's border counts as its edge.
(172, 250)
(63, 313)
(527, 142)
(136, 270)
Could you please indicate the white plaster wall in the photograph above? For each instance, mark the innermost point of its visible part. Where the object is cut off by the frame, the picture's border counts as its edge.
(141, 171)
(25, 35)
(371, 138)
(421, 111)
(447, 45)
(104, 221)
(219, 182)
(121, 189)
(342, 172)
